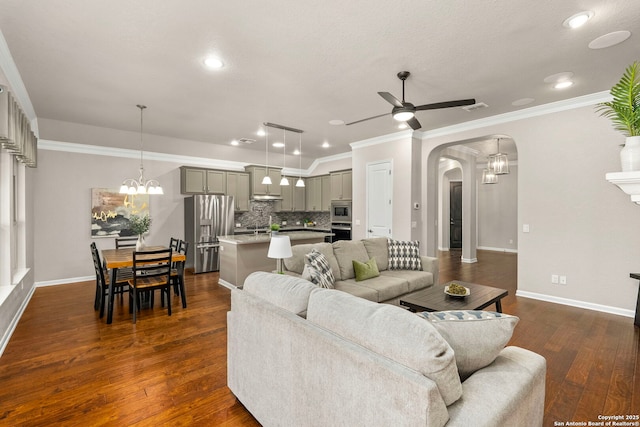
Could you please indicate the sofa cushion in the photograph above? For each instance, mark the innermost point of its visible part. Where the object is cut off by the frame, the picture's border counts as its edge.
(287, 292)
(386, 287)
(415, 279)
(477, 337)
(345, 252)
(378, 248)
(296, 262)
(366, 270)
(351, 287)
(319, 269)
(391, 332)
(404, 255)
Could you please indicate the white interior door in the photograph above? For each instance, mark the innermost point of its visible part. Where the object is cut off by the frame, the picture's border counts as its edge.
(379, 199)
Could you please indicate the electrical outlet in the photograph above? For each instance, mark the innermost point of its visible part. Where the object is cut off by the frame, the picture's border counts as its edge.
(563, 280)
(554, 278)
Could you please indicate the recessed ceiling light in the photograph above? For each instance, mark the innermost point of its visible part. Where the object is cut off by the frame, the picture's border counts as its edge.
(578, 20)
(213, 62)
(563, 84)
(610, 39)
(558, 77)
(278, 144)
(336, 122)
(235, 142)
(296, 152)
(325, 144)
(403, 126)
(261, 132)
(522, 101)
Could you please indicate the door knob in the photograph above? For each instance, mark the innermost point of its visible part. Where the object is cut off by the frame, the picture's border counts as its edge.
(370, 231)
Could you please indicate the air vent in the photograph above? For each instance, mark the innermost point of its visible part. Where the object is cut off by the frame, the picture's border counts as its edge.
(475, 106)
(246, 141)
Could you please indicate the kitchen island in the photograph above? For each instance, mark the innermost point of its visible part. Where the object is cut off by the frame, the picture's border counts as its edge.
(241, 255)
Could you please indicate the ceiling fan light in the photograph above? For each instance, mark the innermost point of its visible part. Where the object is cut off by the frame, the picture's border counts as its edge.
(403, 116)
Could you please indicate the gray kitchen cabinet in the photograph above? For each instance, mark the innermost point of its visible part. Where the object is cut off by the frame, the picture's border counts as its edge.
(314, 194)
(341, 185)
(202, 181)
(238, 187)
(260, 189)
(326, 193)
(293, 198)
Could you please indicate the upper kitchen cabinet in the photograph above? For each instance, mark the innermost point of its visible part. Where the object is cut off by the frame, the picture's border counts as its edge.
(202, 181)
(326, 192)
(293, 198)
(238, 187)
(258, 188)
(341, 185)
(314, 194)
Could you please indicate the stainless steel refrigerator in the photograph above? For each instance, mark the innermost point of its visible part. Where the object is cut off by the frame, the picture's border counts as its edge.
(205, 218)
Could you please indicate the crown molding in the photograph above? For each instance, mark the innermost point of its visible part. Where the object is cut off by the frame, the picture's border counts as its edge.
(381, 139)
(332, 158)
(540, 110)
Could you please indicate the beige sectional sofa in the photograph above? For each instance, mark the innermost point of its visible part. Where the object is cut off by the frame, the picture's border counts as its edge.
(389, 287)
(299, 355)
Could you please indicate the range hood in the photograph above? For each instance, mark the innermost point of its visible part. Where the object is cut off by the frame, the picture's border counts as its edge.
(265, 198)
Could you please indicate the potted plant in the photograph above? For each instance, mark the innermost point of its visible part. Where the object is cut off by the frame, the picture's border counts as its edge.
(274, 228)
(624, 113)
(140, 225)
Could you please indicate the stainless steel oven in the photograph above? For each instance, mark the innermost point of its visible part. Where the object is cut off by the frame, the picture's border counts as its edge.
(340, 212)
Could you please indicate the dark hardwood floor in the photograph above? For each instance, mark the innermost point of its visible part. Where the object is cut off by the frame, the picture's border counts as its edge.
(65, 366)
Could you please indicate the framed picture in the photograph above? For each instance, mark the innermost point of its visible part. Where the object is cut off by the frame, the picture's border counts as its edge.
(110, 212)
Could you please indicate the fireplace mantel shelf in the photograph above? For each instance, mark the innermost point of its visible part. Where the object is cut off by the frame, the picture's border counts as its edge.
(629, 182)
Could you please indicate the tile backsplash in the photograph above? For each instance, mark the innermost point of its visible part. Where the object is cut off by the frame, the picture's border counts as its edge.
(260, 210)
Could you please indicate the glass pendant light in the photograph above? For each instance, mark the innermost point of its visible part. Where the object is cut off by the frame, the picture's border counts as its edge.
(300, 182)
(498, 163)
(267, 179)
(488, 177)
(141, 185)
(284, 180)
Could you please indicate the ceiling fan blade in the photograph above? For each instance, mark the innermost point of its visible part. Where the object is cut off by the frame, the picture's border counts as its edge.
(447, 104)
(391, 99)
(368, 118)
(414, 123)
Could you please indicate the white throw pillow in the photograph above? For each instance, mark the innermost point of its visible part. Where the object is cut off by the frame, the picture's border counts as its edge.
(404, 255)
(319, 269)
(477, 337)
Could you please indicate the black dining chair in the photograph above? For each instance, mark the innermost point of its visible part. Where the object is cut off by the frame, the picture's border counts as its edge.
(126, 242)
(103, 281)
(177, 273)
(151, 271)
(174, 244)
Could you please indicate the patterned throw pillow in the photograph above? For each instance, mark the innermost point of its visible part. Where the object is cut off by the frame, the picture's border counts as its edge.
(319, 269)
(404, 255)
(476, 337)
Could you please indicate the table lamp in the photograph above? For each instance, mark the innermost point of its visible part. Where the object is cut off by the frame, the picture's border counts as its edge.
(279, 248)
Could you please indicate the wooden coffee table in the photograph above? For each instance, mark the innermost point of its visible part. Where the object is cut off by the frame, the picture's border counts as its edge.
(434, 298)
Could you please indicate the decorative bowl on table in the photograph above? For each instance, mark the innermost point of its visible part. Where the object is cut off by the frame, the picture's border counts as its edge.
(456, 290)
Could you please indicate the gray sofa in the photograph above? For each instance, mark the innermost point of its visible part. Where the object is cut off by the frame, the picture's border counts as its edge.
(389, 287)
(352, 362)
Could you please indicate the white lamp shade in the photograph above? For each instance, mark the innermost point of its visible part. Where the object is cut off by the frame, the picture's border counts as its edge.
(266, 180)
(280, 247)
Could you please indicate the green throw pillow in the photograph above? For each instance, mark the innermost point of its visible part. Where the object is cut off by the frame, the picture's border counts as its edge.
(365, 270)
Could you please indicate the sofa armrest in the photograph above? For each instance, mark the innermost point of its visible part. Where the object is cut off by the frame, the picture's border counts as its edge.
(431, 265)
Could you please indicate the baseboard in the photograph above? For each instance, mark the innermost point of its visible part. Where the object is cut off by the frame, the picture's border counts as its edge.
(576, 303)
(12, 326)
(64, 281)
(227, 284)
(469, 260)
(488, 248)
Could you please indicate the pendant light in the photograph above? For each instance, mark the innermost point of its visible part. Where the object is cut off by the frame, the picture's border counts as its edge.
(488, 177)
(141, 186)
(300, 182)
(498, 163)
(284, 181)
(267, 179)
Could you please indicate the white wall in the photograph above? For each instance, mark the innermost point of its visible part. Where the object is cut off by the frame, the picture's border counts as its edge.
(581, 226)
(498, 212)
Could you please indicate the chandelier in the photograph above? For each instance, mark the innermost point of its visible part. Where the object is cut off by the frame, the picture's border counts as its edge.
(498, 163)
(141, 185)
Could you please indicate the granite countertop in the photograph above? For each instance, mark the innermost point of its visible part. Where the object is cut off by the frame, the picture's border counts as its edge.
(243, 239)
(285, 229)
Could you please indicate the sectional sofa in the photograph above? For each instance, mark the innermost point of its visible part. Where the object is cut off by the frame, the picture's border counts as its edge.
(299, 355)
(389, 287)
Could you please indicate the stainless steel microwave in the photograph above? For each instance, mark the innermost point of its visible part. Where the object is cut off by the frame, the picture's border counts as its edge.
(340, 211)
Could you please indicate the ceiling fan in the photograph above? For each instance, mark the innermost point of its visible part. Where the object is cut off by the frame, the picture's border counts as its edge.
(405, 111)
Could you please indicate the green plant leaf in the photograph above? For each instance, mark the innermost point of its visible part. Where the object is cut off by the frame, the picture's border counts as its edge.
(624, 109)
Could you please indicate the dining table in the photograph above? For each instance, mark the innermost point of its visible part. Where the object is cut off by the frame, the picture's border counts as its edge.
(115, 259)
